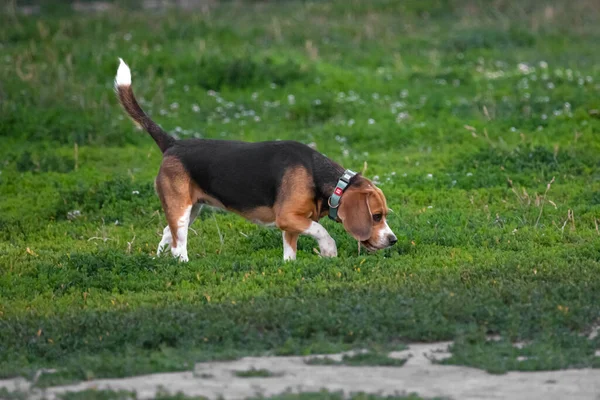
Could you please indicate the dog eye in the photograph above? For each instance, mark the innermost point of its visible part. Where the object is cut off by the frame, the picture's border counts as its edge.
(377, 217)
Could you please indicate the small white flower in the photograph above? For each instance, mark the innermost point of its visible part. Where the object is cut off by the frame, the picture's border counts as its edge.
(135, 192)
(317, 102)
(170, 81)
(543, 64)
(127, 37)
(429, 176)
(186, 88)
(273, 86)
(550, 85)
(429, 207)
(195, 108)
(523, 68)
(513, 129)
(291, 99)
(226, 120)
(469, 174)
(544, 117)
(371, 121)
(350, 122)
(174, 106)
(402, 116)
(256, 118)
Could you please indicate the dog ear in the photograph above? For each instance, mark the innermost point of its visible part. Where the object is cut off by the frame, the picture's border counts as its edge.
(355, 214)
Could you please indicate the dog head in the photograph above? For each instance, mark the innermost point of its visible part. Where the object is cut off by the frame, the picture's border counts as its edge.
(363, 210)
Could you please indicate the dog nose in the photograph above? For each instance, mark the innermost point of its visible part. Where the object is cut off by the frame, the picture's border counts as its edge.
(392, 239)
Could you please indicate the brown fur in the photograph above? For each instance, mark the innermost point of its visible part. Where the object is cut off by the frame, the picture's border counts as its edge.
(175, 191)
(358, 205)
(261, 215)
(295, 205)
(130, 104)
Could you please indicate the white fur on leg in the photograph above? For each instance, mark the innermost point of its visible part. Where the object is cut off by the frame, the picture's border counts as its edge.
(180, 251)
(123, 77)
(327, 245)
(167, 239)
(289, 253)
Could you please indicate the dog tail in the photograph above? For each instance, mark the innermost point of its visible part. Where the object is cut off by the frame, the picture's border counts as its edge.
(130, 104)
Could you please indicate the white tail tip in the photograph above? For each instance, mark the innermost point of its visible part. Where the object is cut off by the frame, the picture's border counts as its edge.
(123, 77)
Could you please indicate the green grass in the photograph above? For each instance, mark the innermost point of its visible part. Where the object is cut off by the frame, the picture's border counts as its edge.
(361, 359)
(463, 112)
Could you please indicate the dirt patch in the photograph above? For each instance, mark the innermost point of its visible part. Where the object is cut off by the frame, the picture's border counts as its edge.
(419, 375)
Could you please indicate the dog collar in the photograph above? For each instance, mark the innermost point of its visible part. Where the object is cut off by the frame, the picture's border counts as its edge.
(334, 200)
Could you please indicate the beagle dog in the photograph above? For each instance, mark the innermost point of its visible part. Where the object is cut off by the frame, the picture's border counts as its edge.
(281, 183)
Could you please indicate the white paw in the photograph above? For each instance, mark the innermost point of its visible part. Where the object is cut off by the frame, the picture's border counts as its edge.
(180, 254)
(289, 257)
(328, 248)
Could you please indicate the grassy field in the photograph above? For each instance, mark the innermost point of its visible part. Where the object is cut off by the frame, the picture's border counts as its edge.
(479, 120)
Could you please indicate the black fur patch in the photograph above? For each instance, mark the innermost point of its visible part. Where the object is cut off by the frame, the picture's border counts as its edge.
(246, 175)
